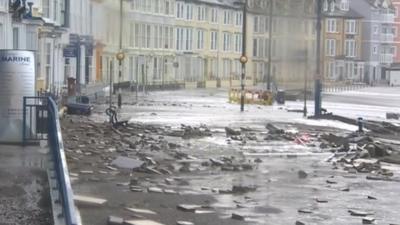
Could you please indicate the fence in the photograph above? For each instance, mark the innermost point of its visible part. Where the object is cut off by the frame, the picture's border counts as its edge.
(43, 116)
(330, 88)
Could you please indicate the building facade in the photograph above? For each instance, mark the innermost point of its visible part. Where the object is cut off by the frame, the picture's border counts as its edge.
(396, 7)
(291, 27)
(342, 39)
(208, 42)
(378, 31)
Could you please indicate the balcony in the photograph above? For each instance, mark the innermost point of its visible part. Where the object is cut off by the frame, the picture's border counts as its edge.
(386, 58)
(386, 38)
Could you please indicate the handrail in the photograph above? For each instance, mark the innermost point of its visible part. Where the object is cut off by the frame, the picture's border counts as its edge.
(60, 163)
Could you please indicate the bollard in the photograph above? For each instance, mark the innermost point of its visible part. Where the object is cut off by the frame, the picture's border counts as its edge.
(360, 125)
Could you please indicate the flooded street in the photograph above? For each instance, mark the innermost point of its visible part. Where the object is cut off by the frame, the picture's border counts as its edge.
(230, 168)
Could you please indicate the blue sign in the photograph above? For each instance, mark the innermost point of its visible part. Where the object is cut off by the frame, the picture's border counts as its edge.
(70, 51)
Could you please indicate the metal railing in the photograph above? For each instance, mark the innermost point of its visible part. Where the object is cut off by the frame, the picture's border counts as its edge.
(54, 137)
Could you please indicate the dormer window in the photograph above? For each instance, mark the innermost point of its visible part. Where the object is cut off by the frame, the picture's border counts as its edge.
(325, 5)
(332, 6)
(344, 5)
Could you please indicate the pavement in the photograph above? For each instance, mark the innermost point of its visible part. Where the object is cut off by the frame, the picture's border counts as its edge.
(24, 189)
(282, 197)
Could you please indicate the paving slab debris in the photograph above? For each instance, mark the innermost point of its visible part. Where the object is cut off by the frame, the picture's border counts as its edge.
(142, 222)
(368, 220)
(237, 216)
(188, 208)
(355, 212)
(184, 223)
(86, 200)
(113, 220)
(142, 211)
(127, 163)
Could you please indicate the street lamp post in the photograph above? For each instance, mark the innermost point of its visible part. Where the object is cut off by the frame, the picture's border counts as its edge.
(318, 77)
(243, 58)
(271, 4)
(120, 55)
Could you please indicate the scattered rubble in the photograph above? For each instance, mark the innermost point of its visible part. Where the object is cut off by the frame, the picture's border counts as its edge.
(86, 200)
(113, 220)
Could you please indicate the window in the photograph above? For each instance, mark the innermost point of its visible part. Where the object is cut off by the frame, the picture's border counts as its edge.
(46, 8)
(137, 37)
(214, 40)
(167, 5)
(189, 12)
(31, 39)
(214, 15)
(48, 63)
(350, 26)
(392, 50)
(2, 44)
(238, 19)
(3, 5)
(148, 36)
(255, 47)
(376, 29)
(349, 69)
(375, 49)
(227, 42)
(156, 36)
(227, 17)
(184, 39)
(330, 49)
(156, 6)
(200, 39)
(179, 38)
(238, 42)
(189, 39)
(201, 13)
(179, 10)
(344, 5)
(15, 38)
(350, 48)
(331, 25)
(325, 6)
(332, 69)
(256, 24)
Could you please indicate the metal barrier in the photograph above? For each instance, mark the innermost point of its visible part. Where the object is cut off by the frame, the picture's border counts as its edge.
(35, 119)
(54, 137)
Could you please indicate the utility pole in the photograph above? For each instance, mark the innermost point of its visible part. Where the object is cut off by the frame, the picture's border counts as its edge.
(111, 83)
(305, 82)
(120, 54)
(271, 5)
(243, 58)
(318, 76)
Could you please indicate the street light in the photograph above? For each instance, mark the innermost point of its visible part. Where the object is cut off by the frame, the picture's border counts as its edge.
(120, 55)
(271, 5)
(318, 76)
(243, 58)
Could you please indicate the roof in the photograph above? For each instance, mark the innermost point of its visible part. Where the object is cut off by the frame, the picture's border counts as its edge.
(383, 4)
(343, 13)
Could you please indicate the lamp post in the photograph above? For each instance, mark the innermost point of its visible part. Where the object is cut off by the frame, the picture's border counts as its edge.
(271, 5)
(318, 76)
(243, 58)
(120, 55)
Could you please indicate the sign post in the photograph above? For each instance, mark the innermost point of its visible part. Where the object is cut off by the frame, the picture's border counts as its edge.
(17, 74)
